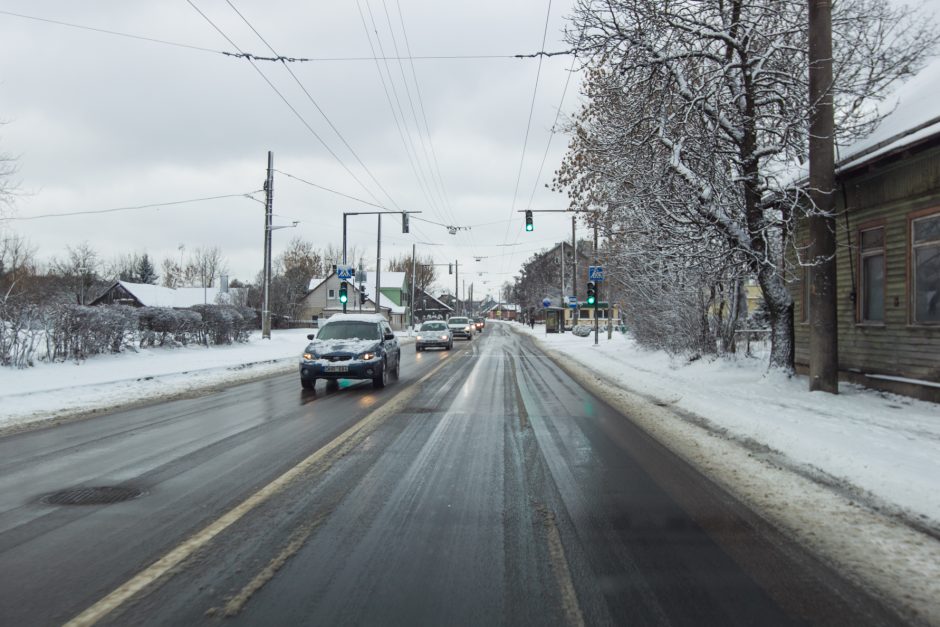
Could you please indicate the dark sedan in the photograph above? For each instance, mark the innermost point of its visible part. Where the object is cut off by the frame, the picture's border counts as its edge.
(351, 346)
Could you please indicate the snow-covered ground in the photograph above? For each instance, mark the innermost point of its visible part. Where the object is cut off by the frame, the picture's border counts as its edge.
(855, 477)
(51, 391)
(885, 446)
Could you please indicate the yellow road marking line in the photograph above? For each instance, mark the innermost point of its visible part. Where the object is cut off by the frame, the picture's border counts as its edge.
(176, 556)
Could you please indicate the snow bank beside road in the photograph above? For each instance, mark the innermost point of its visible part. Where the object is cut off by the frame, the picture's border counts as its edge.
(752, 431)
(49, 391)
(878, 445)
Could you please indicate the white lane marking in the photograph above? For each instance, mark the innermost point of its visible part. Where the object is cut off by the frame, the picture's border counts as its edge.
(176, 556)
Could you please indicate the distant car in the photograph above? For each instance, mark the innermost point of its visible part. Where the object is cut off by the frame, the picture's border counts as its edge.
(351, 346)
(479, 323)
(434, 334)
(461, 327)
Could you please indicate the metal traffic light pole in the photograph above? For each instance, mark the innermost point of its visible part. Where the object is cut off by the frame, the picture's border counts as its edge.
(378, 261)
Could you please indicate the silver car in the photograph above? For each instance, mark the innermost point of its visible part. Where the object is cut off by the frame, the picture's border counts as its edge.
(461, 327)
(434, 333)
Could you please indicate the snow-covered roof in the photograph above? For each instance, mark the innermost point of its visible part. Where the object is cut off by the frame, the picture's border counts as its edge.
(916, 116)
(439, 302)
(357, 317)
(159, 296)
(396, 279)
(315, 283)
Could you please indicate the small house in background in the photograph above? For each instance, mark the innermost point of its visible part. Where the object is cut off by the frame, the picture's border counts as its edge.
(147, 295)
(429, 308)
(322, 300)
(503, 311)
(888, 259)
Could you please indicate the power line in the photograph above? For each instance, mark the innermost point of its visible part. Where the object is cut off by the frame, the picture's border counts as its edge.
(134, 207)
(286, 102)
(322, 113)
(528, 125)
(285, 59)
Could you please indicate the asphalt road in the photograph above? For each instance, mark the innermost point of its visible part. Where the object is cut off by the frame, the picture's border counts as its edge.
(485, 487)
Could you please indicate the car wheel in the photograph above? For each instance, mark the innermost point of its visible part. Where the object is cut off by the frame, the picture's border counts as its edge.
(418, 349)
(397, 371)
(381, 380)
(450, 345)
(308, 384)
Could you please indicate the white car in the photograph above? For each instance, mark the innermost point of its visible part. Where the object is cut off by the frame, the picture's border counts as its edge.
(461, 327)
(434, 333)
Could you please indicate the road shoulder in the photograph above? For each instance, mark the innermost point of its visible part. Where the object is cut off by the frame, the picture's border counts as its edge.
(894, 561)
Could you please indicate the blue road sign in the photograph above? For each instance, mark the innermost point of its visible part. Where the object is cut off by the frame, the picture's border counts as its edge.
(345, 273)
(595, 273)
(572, 301)
(546, 302)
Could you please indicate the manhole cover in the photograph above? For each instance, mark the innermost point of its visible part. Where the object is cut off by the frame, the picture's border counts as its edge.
(92, 496)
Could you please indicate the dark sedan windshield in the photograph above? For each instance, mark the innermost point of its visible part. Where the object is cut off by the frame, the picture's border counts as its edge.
(349, 331)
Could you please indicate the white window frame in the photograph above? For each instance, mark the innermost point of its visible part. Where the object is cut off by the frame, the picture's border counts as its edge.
(913, 266)
(863, 255)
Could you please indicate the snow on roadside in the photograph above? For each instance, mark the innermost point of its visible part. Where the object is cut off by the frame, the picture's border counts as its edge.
(850, 433)
(49, 391)
(104, 382)
(878, 445)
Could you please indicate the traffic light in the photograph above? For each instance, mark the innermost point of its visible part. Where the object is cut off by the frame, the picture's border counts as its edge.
(343, 296)
(450, 268)
(529, 227)
(362, 297)
(591, 293)
(404, 222)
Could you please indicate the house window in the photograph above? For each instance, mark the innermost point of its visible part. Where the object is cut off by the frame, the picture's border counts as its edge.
(585, 313)
(871, 268)
(331, 294)
(925, 269)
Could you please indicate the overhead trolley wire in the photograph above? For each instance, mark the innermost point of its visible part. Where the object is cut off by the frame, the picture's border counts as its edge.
(133, 207)
(320, 110)
(285, 59)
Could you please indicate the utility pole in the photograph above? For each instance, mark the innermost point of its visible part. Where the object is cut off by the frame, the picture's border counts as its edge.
(414, 266)
(564, 305)
(597, 284)
(268, 210)
(456, 287)
(378, 267)
(823, 319)
(574, 274)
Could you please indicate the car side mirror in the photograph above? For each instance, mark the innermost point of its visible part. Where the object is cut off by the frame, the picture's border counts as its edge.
(389, 336)
(311, 336)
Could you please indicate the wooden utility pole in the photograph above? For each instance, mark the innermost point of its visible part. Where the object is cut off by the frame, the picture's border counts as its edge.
(268, 211)
(823, 333)
(378, 268)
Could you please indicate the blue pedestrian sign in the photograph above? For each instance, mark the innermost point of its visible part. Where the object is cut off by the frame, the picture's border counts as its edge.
(595, 273)
(345, 273)
(546, 302)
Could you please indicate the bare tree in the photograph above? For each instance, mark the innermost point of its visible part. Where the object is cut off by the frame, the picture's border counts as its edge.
(697, 111)
(203, 266)
(425, 270)
(78, 271)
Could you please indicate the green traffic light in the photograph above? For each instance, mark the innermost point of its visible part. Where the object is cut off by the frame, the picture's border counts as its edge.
(343, 298)
(529, 227)
(590, 300)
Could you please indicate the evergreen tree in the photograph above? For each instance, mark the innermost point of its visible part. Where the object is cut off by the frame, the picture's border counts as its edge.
(145, 272)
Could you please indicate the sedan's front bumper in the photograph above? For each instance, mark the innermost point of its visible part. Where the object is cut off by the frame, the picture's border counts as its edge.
(349, 369)
(462, 333)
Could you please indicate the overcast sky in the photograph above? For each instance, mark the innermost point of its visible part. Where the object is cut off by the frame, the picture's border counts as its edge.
(100, 121)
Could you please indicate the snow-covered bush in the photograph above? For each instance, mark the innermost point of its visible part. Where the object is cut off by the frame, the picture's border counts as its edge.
(77, 332)
(224, 324)
(20, 333)
(160, 326)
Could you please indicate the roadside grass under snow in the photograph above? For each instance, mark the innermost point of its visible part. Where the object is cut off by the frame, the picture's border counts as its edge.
(879, 447)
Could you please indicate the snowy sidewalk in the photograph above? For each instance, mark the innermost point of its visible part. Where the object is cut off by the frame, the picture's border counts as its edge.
(881, 446)
(853, 477)
(104, 382)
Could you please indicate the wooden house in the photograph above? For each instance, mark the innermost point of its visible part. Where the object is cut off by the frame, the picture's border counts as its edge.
(888, 260)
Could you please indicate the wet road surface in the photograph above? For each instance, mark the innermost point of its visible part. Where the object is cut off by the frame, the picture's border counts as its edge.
(485, 487)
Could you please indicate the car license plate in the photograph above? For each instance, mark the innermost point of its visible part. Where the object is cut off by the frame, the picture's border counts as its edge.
(343, 368)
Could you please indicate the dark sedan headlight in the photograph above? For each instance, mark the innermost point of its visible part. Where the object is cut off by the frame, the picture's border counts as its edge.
(310, 356)
(367, 356)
